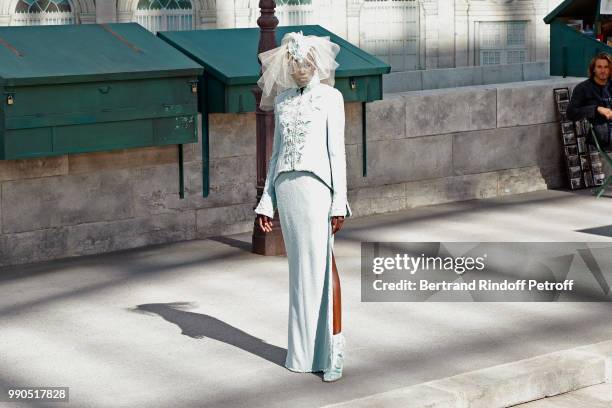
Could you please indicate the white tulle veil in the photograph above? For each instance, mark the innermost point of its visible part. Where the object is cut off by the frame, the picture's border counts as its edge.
(276, 63)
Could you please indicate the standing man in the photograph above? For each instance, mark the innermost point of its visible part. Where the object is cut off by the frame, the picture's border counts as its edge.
(592, 99)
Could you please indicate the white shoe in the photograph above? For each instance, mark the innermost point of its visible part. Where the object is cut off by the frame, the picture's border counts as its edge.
(335, 372)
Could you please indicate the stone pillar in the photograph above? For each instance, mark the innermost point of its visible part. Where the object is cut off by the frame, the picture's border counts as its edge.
(226, 14)
(431, 33)
(446, 35)
(353, 7)
(324, 14)
(338, 18)
(243, 17)
(461, 33)
(106, 11)
(542, 31)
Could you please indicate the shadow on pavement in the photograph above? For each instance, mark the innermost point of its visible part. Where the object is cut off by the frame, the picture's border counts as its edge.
(604, 230)
(199, 326)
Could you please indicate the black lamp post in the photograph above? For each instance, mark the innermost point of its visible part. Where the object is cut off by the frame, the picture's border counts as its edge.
(270, 243)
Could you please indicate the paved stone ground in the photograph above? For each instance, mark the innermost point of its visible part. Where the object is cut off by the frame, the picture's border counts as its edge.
(596, 396)
(203, 323)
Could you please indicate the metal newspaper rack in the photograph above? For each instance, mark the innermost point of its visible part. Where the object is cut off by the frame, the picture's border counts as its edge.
(582, 161)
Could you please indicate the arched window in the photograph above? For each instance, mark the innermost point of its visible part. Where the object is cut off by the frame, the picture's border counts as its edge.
(165, 15)
(43, 12)
(390, 30)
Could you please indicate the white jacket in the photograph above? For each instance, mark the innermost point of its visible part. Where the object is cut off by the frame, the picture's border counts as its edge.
(309, 136)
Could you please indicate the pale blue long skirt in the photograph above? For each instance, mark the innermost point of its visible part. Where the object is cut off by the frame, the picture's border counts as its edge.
(304, 209)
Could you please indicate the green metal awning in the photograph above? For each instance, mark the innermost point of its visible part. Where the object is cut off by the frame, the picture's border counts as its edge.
(93, 87)
(231, 71)
(571, 50)
(87, 53)
(229, 57)
(574, 8)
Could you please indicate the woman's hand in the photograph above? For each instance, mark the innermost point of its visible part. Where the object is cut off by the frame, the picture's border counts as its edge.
(607, 113)
(336, 223)
(264, 222)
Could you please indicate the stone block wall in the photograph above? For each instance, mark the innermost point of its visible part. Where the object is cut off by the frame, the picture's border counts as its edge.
(439, 78)
(436, 146)
(422, 148)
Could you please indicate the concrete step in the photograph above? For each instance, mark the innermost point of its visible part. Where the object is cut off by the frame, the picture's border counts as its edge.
(504, 385)
(596, 396)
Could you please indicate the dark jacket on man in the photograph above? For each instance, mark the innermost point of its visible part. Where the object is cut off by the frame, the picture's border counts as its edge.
(586, 98)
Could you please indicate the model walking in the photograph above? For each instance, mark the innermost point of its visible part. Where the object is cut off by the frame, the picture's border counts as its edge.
(306, 181)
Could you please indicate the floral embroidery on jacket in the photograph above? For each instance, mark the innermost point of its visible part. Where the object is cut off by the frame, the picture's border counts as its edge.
(294, 118)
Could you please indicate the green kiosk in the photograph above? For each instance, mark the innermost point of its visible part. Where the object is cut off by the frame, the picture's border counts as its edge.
(231, 70)
(579, 29)
(92, 87)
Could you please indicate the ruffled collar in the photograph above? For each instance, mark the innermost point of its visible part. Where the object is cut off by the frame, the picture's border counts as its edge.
(314, 81)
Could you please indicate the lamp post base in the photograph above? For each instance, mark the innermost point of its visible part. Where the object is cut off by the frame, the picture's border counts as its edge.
(268, 243)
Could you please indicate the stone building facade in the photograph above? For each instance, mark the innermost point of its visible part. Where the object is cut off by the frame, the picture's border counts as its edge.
(409, 34)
